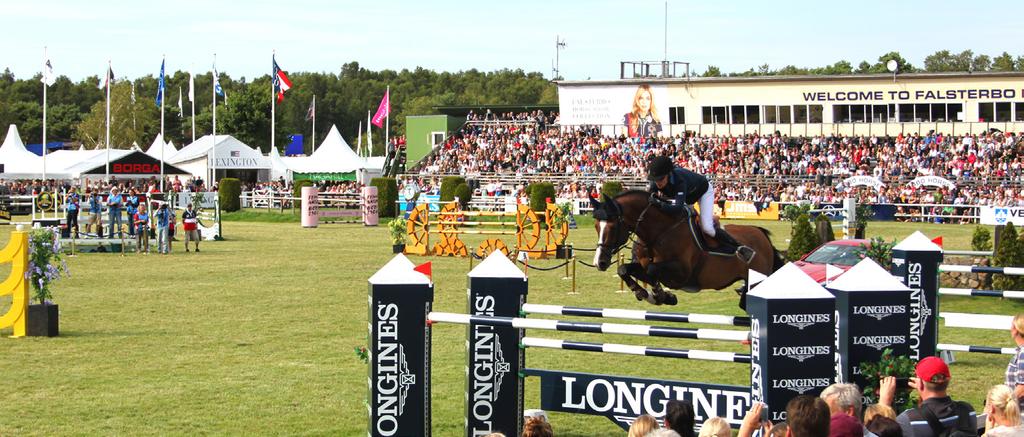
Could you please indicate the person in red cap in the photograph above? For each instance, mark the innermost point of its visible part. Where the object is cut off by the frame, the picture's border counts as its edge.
(938, 415)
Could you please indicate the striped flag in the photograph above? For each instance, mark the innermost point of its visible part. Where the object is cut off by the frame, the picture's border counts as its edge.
(281, 82)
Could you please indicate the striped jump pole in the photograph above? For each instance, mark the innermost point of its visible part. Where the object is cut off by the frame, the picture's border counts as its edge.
(647, 351)
(1011, 271)
(977, 349)
(1008, 294)
(652, 316)
(603, 328)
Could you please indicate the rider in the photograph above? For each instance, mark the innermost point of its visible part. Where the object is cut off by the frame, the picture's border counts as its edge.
(677, 188)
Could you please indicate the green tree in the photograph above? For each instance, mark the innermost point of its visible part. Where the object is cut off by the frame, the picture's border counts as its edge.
(1003, 62)
(129, 122)
(803, 239)
(712, 71)
(1010, 253)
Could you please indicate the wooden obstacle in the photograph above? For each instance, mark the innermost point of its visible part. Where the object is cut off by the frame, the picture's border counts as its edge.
(16, 284)
(450, 223)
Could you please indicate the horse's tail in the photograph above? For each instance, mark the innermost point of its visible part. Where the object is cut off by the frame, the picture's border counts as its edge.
(777, 260)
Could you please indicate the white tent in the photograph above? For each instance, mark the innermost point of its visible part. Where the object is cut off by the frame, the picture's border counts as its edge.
(333, 156)
(278, 169)
(15, 158)
(197, 158)
(158, 143)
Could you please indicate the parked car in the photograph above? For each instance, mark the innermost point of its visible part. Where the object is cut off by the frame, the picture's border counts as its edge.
(842, 254)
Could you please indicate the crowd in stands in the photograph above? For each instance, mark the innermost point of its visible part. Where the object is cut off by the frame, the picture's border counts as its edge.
(785, 168)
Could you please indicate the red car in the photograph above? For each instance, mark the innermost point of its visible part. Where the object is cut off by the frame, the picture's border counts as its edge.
(842, 254)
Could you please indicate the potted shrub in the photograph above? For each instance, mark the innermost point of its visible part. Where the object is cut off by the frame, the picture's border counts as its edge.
(45, 266)
(563, 218)
(902, 367)
(398, 233)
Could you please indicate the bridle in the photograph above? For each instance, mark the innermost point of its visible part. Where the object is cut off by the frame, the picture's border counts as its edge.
(631, 230)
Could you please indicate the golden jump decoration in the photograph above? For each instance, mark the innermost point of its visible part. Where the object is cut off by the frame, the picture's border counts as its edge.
(450, 222)
(15, 285)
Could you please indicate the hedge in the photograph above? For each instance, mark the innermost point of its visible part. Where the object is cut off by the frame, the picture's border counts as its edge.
(297, 187)
(448, 185)
(464, 193)
(803, 239)
(387, 195)
(611, 188)
(540, 192)
(229, 191)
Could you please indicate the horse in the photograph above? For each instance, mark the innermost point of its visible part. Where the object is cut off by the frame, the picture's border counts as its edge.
(668, 251)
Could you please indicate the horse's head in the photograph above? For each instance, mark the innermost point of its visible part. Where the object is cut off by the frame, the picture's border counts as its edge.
(612, 232)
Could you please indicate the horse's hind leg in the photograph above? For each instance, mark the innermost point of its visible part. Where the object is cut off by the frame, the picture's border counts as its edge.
(634, 270)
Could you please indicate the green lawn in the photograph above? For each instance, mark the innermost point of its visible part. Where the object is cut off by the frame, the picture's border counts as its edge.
(255, 335)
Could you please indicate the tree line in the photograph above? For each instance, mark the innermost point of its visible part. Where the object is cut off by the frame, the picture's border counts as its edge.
(76, 111)
(940, 61)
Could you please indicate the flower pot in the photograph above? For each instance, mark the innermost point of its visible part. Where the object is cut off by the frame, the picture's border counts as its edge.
(397, 248)
(42, 321)
(563, 251)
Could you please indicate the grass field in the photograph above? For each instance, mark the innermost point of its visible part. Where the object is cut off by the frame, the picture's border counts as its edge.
(255, 335)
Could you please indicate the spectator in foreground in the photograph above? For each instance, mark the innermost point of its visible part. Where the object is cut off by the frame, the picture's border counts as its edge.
(679, 417)
(938, 413)
(807, 416)
(663, 432)
(1015, 370)
(141, 222)
(715, 427)
(1003, 418)
(71, 208)
(882, 426)
(537, 427)
(844, 404)
(95, 213)
(644, 424)
(878, 410)
(114, 202)
(163, 238)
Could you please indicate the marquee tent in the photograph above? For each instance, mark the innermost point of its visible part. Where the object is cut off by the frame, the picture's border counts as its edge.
(158, 143)
(333, 160)
(17, 161)
(231, 154)
(278, 169)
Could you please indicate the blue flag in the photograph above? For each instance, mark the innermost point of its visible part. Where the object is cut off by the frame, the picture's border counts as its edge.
(216, 83)
(161, 86)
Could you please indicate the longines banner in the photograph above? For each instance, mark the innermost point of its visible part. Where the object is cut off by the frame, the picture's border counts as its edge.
(642, 110)
(750, 210)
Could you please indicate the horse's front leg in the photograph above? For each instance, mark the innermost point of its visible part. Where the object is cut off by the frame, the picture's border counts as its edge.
(657, 272)
(632, 272)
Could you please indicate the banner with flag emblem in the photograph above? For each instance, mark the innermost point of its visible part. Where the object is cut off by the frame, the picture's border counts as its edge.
(311, 112)
(108, 79)
(161, 86)
(48, 77)
(281, 82)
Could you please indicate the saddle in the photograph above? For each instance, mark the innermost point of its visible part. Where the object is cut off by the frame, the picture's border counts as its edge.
(712, 247)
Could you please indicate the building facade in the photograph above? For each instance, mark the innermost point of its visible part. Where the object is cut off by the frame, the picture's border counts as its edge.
(875, 104)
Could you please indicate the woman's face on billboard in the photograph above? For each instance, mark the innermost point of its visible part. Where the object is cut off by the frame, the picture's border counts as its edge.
(643, 101)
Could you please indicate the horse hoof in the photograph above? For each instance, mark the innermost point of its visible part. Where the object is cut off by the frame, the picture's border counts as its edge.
(640, 294)
(652, 299)
(671, 299)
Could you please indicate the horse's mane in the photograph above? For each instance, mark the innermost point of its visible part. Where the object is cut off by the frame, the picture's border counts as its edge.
(633, 193)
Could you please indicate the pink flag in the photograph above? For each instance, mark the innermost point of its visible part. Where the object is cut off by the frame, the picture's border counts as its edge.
(382, 110)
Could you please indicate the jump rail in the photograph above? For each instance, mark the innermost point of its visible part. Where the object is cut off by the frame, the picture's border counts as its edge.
(654, 316)
(1013, 271)
(688, 354)
(1009, 294)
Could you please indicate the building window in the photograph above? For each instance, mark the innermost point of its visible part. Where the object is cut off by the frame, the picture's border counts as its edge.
(677, 115)
(753, 114)
(816, 111)
(800, 114)
(714, 115)
(785, 114)
(939, 113)
(738, 114)
(1003, 111)
(986, 112)
(771, 114)
(955, 111)
(1018, 111)
(906, 112)
(840, 113)
(880, 113)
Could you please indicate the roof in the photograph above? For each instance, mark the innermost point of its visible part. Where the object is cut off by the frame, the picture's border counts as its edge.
(799, 78)
(13, 153)
(154, 149)
(228, 147)
(463, 110)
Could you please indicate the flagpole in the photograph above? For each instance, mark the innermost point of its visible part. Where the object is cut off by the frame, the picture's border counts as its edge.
(108, 120)
(359, 141)
(273, 98)
(214, 148)
(163, 98)
(45, 86)
(192, 100)
(369, 137)
(312, 147)
(387, 122)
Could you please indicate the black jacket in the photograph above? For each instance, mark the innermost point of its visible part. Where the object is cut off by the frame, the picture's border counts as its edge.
(684, 187)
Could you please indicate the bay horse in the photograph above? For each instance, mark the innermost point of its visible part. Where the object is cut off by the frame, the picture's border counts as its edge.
(667, 252)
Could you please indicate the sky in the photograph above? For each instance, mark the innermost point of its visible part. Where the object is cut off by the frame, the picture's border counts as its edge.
(313, 35)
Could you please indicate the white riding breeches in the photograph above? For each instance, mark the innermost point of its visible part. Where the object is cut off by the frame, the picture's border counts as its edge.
(707, 211)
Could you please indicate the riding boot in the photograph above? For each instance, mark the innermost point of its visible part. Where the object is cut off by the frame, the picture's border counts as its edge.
(728, 244)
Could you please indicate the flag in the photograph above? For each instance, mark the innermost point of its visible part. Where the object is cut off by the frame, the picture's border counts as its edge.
(108, 78)
(181, 112)
(161, 86)
(382, 110)
(191, 87)
(48, 77)
(281, 82)
(311, 112)
(216, 82)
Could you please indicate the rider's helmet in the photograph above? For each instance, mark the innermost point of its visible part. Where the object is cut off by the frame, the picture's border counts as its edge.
(659, 167)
